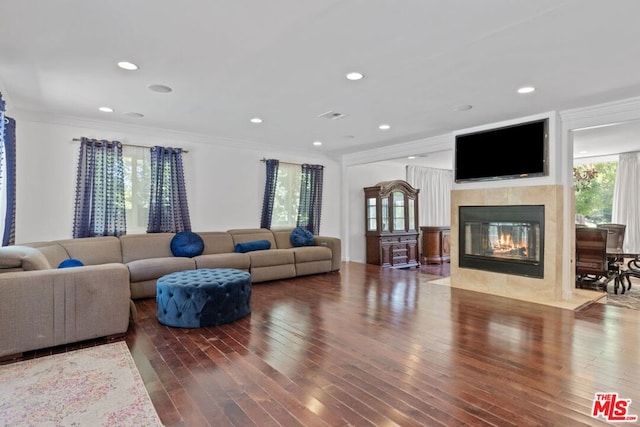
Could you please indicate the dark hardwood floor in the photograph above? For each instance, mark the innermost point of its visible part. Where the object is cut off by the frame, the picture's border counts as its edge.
(378, 347)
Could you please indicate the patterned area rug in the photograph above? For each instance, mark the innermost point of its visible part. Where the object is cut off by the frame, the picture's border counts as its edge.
(630, 299)
(96, 386)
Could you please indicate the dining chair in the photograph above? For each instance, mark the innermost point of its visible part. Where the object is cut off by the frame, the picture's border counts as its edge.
(615, 242)
(615, 235)
(593, 269)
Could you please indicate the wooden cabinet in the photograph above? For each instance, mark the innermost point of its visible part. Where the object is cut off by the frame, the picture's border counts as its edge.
(435, 245)
(391, 222)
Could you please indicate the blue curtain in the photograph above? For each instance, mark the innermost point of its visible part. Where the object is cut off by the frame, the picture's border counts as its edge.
(100, 203)
(168, 209)
(7, 177)
(9, 183)
(310, 206)
(269, 193)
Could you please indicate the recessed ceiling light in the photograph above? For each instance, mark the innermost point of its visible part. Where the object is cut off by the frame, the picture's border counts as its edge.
(126, 65)
(526, 89)
(160, 88)
(354, 76)
(133, 114)
(411, 157)
(106, 109)
(317, 143)
(256, 120)
(384, 127)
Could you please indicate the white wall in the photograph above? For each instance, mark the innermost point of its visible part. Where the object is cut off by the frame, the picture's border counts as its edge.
(356, 179)
(225, 184)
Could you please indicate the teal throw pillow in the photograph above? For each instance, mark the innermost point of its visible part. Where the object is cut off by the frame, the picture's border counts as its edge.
(71, 262)
(257, 245)
(187, 244)
(301, 237)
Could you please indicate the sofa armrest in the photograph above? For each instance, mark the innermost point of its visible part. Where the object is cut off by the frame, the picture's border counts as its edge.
(46, 308)
(335, 245)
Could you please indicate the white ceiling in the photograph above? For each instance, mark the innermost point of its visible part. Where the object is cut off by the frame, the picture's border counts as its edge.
(285, 61)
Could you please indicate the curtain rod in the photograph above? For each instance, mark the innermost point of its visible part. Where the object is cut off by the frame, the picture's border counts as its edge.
(128, 145)
(264, 159)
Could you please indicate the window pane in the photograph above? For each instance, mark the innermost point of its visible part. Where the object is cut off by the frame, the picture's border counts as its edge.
(285, 207)
(137, 180)
(594, 188)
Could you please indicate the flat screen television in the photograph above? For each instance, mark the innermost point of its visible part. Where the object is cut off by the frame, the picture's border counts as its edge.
(517, 151)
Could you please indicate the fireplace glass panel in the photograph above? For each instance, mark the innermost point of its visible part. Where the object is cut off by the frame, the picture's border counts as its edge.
(518, 241)
(505, 239)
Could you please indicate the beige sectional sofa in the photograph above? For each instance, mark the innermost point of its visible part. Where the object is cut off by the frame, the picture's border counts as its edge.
(44, 306)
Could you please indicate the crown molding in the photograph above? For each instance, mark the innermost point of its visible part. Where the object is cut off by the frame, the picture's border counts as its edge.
(420, 146)
(611, 112)
(185, 138)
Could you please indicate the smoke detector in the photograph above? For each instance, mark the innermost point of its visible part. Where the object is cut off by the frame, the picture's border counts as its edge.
(332, 115)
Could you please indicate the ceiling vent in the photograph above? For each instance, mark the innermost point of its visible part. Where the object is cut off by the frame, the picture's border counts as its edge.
(331, 115)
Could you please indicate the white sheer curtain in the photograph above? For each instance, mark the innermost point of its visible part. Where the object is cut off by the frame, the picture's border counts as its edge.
(434, 200)
(137, 182)
(626, 199)
(287, 200)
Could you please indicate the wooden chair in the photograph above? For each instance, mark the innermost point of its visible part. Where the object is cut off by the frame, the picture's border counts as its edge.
(615, 241)
(592, 267)
(615, 235)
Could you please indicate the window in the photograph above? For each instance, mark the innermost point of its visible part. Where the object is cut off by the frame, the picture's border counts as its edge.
(137, 178)
(292, 196)
(287, 197)
(594, 187)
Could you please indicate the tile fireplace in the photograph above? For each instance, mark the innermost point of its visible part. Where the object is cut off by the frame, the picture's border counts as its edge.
(557, 284)
(506, 239)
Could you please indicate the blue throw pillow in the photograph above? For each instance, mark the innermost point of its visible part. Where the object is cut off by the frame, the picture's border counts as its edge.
(71, 262)
(257, 245)
(187, 244)
(301, 237)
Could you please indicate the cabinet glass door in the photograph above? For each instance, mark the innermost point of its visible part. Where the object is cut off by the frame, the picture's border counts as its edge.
(371, 214)
(412, 215)
(385, 214)
(398, 211)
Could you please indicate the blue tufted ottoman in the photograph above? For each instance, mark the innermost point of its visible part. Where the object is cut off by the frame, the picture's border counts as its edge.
(205, 297)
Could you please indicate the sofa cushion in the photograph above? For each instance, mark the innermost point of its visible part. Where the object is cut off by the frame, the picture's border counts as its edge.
(301, 237)
(230, 260)
(283, 238)
(94, 250)
(144, 246)
(217, 242)
(187, 244)
(152, 268)
(54, 253)
(23, 256)
(257, 245)
(312, 253)
(271, 257)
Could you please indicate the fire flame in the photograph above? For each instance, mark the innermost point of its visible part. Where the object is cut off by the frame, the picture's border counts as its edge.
(505, 244)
